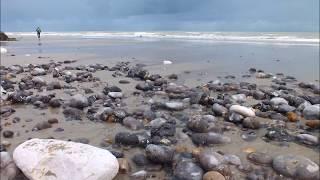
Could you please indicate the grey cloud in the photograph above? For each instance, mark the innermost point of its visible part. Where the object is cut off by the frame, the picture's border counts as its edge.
(157, 15)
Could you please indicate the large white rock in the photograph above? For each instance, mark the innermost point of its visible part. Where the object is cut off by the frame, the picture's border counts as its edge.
(49, 159)
(244, 111)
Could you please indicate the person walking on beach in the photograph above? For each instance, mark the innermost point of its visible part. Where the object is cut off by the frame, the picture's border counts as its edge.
(38, 32)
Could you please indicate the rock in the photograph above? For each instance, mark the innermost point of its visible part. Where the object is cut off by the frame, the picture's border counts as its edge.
(175, 106)
(260, 158)
(259, 95)
(314, 124)
(54, 85)
(239, 98)
(107, 89)
(125, 138)
(210, 160)
(4, 37)
(38, 72)
(140, 160)
(232, 159)
(132, 123)
(115, 94)
(209, 138)
(158, 122)
(18, 97)
(140, 175)
(124, 166)
(42, 158)
(159, 154)
(8, 134)
(124, 81)
(43, 125)
(292, 117)
(285, 108)
(219, 110)
(312, 112)
(187, 170)
(249, 135)
(198, 124)
(235, 117)
(262, 75)
(72, 114)
(173, 76)
(213, 175)
(251, 123)
(78, 101)
(297, 167)
(38, 81)
(244, 111)
(54, 102)
(53, 121)
(144, 86)
(165, 130)
(277, 101)
(308, 139)
(8, 169)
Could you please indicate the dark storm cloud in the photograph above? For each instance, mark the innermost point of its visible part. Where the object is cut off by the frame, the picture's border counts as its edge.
(146, 15)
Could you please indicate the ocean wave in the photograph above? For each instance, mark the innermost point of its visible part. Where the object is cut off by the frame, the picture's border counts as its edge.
(294, 38)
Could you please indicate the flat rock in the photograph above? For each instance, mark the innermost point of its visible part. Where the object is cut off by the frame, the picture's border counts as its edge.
(42, 159)
(242, 110)
(298, 167)
(312, 112)
(210, 160)
(175, 106)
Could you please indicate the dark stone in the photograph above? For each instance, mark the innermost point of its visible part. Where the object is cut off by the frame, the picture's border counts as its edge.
(72, 114)
(82, 140)
(159, 154)
(166, 129)
(140, 160)
(125, 138)
(173, 76)
(117, 154)
(43, 125)
(8, 134)
(53, 121)
(107, 89)
(144, 86)
(124, 82)
(55, 103)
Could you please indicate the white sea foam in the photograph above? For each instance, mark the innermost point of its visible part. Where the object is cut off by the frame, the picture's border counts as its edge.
(276, 38)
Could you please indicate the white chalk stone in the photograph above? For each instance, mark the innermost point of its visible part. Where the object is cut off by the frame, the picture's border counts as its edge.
(50, 159)
(244, 111)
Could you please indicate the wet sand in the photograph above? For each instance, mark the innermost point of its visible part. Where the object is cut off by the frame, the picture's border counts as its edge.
(195, 63)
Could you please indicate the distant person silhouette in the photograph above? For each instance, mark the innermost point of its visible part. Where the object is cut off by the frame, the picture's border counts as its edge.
(38, 32)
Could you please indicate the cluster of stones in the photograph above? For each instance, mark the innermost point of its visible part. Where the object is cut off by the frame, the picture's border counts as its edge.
(214, 109)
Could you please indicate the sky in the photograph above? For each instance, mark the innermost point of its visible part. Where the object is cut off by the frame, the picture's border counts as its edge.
(161, 15)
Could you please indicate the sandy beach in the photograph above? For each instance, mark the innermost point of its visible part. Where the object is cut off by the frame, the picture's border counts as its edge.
(202, 75)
